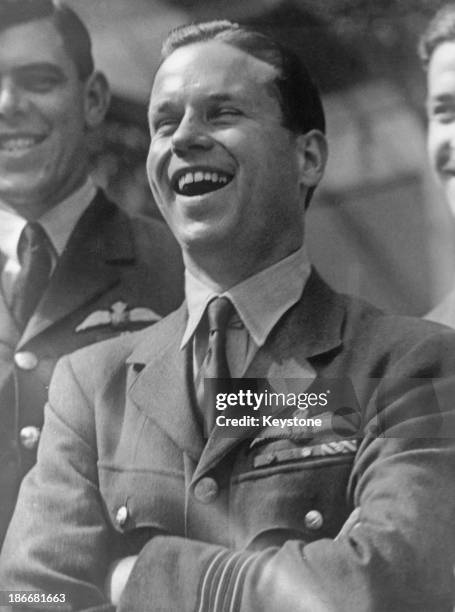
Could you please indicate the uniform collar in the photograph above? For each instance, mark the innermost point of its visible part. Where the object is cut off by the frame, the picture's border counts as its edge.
(260, 300)
(58, 222)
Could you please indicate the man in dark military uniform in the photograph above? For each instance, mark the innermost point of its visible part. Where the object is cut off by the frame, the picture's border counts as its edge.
(75, 268)
(341, 496)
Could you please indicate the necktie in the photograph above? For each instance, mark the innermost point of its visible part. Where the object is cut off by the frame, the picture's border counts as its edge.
(215, 367)
(34, 254)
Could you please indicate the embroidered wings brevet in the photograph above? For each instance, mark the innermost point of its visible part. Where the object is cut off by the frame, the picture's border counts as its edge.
(118, 316)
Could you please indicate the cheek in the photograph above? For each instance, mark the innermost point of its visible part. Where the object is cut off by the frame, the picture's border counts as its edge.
(151, 175)
(68, 127)
(148, 167)
(61, 107)
(437, 144)
(155, 164)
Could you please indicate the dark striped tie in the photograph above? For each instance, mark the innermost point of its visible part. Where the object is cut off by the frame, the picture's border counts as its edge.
(34, 253)
(214, 375)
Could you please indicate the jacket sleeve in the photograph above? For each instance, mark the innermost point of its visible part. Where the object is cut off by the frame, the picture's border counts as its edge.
(395, 553)
(58, 540)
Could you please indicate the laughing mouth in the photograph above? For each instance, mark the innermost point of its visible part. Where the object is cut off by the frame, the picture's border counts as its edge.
(13, 144)
(199, 182)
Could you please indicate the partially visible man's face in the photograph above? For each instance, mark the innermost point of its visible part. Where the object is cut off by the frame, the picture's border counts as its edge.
(42, 117)
(441, 114)
(222, 167)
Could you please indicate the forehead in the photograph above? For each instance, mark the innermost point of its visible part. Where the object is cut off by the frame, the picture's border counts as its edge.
(441, 69)
(30, 43)
(211, 67)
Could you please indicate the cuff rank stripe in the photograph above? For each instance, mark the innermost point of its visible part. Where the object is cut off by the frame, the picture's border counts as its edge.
(238, 584)
(223, 580)
(208, 579)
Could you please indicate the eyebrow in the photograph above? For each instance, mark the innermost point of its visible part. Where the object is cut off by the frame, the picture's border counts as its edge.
(46, 67)
(160, 108)
(221, 97)
(168, 105)
(443, 97)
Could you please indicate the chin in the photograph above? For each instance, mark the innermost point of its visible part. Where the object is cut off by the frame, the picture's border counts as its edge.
(202, 239)
(22, 190)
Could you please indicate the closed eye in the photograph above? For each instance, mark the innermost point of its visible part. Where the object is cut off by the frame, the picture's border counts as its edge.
(39, 78)
(164, 125)
(443, 113)
(224, 113)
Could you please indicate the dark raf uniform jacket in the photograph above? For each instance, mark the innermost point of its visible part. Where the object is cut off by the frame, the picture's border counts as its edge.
(262, 521)
(117, 273)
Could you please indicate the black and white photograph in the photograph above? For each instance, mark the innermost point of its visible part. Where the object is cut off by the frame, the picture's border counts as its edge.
(227, 306)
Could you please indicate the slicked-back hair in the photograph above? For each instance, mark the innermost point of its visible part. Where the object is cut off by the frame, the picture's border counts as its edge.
(75, 36)
(298, 95)
(440, 29)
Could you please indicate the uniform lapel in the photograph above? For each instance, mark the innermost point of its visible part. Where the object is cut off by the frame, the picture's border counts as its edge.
(9, 337)
(101, 238)
(162, 388)
(9, 332)
(309, 329)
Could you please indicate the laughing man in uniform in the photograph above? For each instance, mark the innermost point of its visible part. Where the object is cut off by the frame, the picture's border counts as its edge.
(141, 500)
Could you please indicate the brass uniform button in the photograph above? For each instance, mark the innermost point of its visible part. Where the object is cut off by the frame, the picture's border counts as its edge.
(313, 520)
(122, 516)
(26, 360)
(206, 490)
(29, 437)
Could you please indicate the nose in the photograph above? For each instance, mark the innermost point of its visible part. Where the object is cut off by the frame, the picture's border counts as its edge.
(191, 133)
(11, 99)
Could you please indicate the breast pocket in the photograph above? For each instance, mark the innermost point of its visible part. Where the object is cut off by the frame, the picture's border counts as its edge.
(142, 503)
(285, 490)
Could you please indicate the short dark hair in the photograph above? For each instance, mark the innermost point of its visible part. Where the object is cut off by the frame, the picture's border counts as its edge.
(298, 95)
(75, 36)
(440, 29)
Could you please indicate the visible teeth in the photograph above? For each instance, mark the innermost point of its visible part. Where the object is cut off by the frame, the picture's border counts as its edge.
(17, 144)
(199, 176)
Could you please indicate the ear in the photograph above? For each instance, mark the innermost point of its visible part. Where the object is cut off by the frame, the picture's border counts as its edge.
(97, 97)
(312, 151)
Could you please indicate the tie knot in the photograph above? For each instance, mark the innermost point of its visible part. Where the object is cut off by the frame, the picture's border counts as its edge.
(32, 240)
(219, 312)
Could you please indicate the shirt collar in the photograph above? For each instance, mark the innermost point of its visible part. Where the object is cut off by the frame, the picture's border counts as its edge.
(11, 226)
(58, 222)
(260, 300)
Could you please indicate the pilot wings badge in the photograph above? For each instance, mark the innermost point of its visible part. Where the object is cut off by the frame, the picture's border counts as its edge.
(119, 317)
